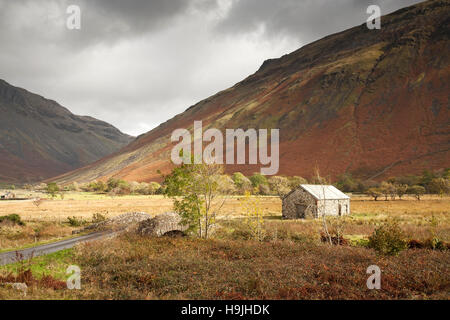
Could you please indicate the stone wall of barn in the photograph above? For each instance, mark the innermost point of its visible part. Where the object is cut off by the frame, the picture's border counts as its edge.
(331, 207)
(314, 209)
(295, 198)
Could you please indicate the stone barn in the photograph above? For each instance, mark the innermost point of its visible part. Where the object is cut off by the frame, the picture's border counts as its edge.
(314, 201)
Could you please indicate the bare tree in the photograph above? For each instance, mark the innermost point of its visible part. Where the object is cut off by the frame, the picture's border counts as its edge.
(37, 202)
(321, 204)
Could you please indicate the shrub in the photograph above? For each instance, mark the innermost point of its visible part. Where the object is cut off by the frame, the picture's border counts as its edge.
(98, 217)
(258, 179)
(347, 183)
(41, 187)
(143, 187)
(122, 188)
(12, 218)
(432, 243)
(154, 188)
(75, 222)
(439, 186)
(335, 239)
(52, 189)
(135, 187)
(241, 182)
(254, 219)
(73, 187)
(435, 244)
(112, 183)
(264, 189)
(226, 185)
(417, 191)
(296, 181)
(240, 234)
(97, 186)
(388, 239)
(279, 185)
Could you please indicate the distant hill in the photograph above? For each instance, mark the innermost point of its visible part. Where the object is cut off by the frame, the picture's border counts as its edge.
(374, 103)
(39, 138)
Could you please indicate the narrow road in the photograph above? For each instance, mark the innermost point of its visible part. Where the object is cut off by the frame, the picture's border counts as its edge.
(15, 256)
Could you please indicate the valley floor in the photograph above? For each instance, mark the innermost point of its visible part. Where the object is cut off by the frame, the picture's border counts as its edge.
(291, 262)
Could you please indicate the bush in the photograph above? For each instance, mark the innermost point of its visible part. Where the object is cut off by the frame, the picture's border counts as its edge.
(52, 189)
(12, 218)
(112, 183)
(347, 183)
(279, 185)
(226, 185)
(73, 187)
(264, 189)
(432, 243)
(254, 220)
(97, 186)
(417, 191)
(75, 222)
(435, 244)
(335, 239)
(241, 182)
(388, 239)
(258, 179)
(240, 234)
(439, 186)
(98, 217)
(296, 181)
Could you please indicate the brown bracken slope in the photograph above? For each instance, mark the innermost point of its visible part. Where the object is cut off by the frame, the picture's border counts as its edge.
(40, 139)
(374, 103)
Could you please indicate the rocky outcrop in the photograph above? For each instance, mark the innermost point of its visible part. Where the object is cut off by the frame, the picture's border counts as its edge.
(168, 223)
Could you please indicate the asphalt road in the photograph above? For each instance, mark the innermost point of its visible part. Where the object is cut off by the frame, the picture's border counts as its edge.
(15, 256)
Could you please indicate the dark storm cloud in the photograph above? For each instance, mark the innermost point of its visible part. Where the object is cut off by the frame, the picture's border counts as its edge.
(112, 20)
(306, 20)
(136, 63)
(102, 20)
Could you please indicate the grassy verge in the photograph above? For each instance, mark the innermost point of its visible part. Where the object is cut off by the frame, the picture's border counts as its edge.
(54, 264)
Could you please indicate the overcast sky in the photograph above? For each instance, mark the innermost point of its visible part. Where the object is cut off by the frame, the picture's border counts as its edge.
(137, 63)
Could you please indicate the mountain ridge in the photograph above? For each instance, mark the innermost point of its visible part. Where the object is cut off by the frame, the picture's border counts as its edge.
(372, 103)
(39, 138)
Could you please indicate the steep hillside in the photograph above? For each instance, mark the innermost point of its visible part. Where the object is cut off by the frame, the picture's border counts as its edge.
(40, 139)
(371, 102)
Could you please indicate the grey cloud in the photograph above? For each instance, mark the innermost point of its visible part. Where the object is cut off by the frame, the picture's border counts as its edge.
(305, 20)
(113, 20)
(103, 21)
(137, 63)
